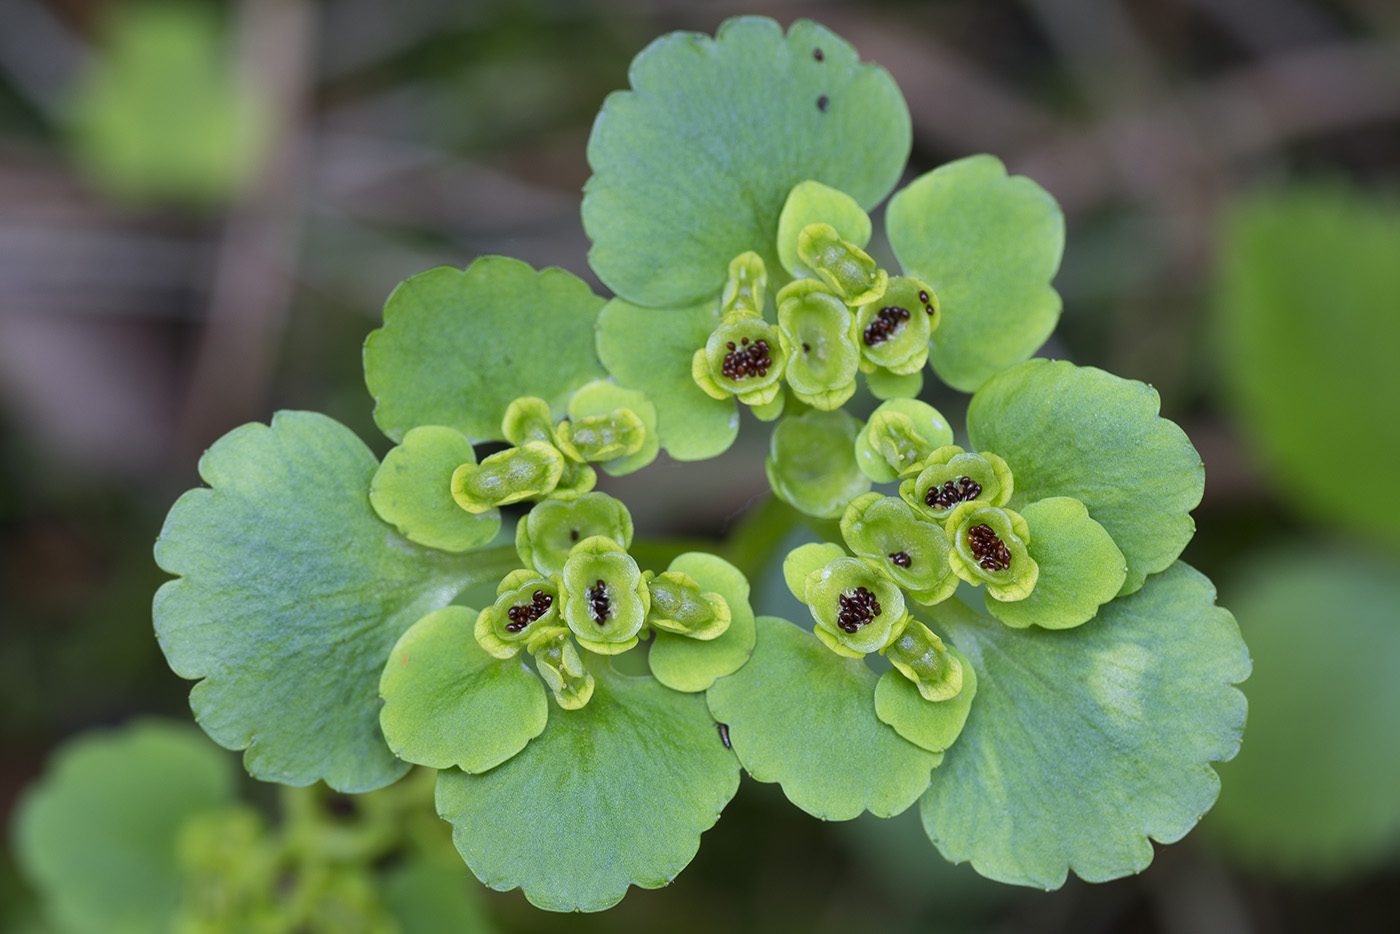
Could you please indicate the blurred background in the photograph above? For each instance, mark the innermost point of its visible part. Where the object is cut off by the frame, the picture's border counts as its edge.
(203, 206)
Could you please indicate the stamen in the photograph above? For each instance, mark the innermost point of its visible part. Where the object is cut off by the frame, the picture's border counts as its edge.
(857, 608)
(753, 360)
(523, 614)
(991, 553)
(885, 324)
(948, 495)
(599, 603)
(900, 558)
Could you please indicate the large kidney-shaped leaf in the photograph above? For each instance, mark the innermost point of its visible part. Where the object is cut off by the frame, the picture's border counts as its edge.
(1078, 431)
(1314, 789)
(989, 244)
(650, 350)
(291, 592)
(97, 837)
(458, 346)
(447, 703)
(803, 716)
(1084, 743)
(611, 795)
(685, 664)
(692, 166)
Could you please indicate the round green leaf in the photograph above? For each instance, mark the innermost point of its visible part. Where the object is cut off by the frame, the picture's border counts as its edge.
(1081, 432)
(1080, 568)
(650, 350)
(803, 560)
(1314, 792)
(614, 794)
(458, 346)
(989, 245)
(97, 835)
(931, 726)
(291, 593)
(1084, 743)
(812, 465)
(800, 715)
(728, 127)
(684, 664)
(412, 489)
(447, 703)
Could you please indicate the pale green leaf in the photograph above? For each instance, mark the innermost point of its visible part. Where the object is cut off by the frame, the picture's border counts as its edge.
(1081, 432)
(458, 346)
(412, 489)
(988, 244)
(291, 592)
(1085, 745)
(447, 703)
(611, 795)
(684, 664)
(1080, 568)
(800, 715)
(693, 165)
(650, 350)
(97, 835)
(928, 725)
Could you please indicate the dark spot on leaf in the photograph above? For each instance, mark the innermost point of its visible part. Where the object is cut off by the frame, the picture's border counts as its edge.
(823, 102)
(724, 734)
(818, 55)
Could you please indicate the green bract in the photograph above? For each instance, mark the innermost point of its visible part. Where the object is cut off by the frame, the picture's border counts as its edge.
(811, 463)
(891, 538)
(545, 536)
(605, 597)
(412, 490)
(603, 399)
(729, 126)
(533, 469)
(899, 437)
(921, 657)
(902, 695)
(562, 668)
(846, 269)
(678, 605)
(684, 664)
(812, 203)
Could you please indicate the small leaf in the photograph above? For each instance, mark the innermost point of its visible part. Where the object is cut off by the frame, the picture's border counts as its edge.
(458, 346)
(1084, 743)
(929, 725)
(1081, 432)
(97, 835)
(729, 126)
(804, 717)
(291, 594)
(684, 664)
(1080, 568)
(803, 560)
(1313, 793)
(811, 463)
(447, 703)
(601, 397)
(989, 245)
(650, 350)
(412, 489)
(614, 794)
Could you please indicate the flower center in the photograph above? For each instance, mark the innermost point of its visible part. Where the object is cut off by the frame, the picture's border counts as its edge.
(523, 614)
(599, 603)
(857, 608)
(885, 324)
(900, 558)
(991, 553)
(746, 359)
(947, 495)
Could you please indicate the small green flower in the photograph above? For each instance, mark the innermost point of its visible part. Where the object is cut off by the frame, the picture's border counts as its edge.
(894, 329)
(525, 615)
(563, 671)
(812, 202)
(856, 610)
(549, 531)
(843, 266)
(620, 433)
(890, 537)
(746, 290)
(744, 358)
(989, 547)
(605, 596)
(818, 337)
(898, 439)
(952, 476)
(678, 605)
(811, 462)
(922, 658)
(533, 469)
(528, 419)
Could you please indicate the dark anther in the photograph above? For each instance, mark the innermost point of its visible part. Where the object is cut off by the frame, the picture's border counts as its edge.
(752, 360)
(885, 324)
(900, 558)
(599, 603)
(806, 346)
(817, 54)
(823, 102)
(573, 535)
(948, 495)
(857, 608)
(928, 308)
(524, 614)
(991, 553)
(730, 345)
(923, 297)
